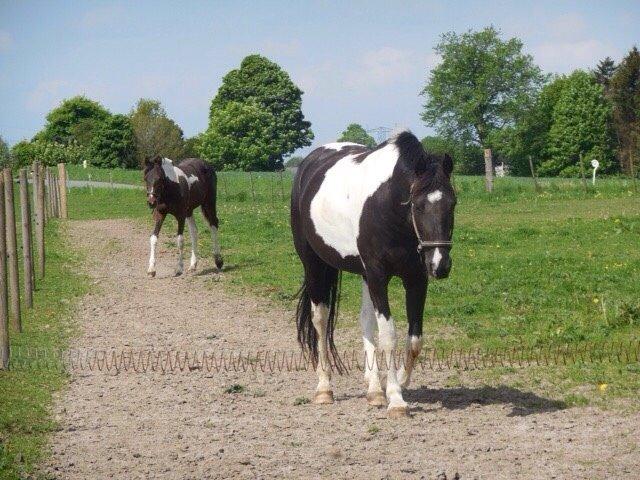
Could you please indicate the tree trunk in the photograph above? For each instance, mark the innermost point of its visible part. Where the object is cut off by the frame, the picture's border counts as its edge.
(488, 169)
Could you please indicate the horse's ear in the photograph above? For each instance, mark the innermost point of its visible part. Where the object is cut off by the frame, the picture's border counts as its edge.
(447, 164)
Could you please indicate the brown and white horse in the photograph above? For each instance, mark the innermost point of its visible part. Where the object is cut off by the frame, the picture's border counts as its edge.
(179, 190)
(377, 213)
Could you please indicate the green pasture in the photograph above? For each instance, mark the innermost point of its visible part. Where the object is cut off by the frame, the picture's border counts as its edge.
(560, 266)
(26, 394)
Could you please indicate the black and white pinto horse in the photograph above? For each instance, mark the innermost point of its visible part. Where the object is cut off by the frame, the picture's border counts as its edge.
(377, 213)
(179, 190)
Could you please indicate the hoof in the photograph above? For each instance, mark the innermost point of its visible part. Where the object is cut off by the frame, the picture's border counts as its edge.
(219, 262)
(178, 273)
(376, 399)
(323, 398)
(398, 412)
(152, 274)
(192, 269)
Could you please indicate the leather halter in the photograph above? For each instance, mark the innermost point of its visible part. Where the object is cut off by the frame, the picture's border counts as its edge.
(427, 244)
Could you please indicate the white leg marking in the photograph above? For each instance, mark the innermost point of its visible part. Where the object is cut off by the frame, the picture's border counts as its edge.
(193, 234)
(153, 241)
(412, 351)
(388, 344)
(368, 324)
(320, 317)
(180, 267)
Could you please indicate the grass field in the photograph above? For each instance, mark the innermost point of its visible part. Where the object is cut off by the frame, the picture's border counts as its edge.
(25, 395)
(557, 267)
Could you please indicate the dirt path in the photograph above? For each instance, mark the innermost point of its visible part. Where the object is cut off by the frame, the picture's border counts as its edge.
(184, 425)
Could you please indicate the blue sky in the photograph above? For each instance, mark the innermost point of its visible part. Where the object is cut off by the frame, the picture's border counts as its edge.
(356, 61)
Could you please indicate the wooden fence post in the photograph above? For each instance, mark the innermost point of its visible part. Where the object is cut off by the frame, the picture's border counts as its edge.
(281, 186)
(56, 192)
(533, 175)
(62, 180)
(47, 192)
(12, 251)
(26, 238)
(488, 169)
(4, 307)
(40, 218)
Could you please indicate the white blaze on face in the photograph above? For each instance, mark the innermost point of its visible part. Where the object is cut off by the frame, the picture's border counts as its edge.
(434, 196)
(337, 207)
(174, 173)
(435, 261)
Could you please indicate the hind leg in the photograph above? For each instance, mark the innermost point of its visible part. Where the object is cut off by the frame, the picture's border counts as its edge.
(320, 280)
(209, 213)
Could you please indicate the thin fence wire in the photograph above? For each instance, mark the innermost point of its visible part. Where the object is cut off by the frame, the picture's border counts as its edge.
(117, 361)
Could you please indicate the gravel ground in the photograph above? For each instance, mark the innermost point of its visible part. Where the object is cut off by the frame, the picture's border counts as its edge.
(185, 426)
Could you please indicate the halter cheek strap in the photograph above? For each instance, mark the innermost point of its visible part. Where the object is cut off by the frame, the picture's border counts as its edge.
(427, 244)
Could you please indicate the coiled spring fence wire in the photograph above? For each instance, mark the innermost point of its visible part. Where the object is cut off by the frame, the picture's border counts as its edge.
(117, 361)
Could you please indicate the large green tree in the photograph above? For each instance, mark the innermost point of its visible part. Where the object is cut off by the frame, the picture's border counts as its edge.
(604, 72)
(357, 134)
(74, 121)
(467, 158)
(259, 92)
(581, 127)
(624, 92)
(113, 144)
(483, 84)
(529, 137)
(4, 153)
(155, 133)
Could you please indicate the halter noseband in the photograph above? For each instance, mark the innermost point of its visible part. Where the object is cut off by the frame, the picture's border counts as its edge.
(427, 244)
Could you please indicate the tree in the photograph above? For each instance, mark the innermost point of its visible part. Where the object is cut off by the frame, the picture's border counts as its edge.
(294, 162)
(624, 92)
(258, 91)
(529, 137)
(24, 153)
(467, 158)
(155, 133)
(581, 127)
(241, 138)
(356, 134)
(113, 144)
(483, 84)
(604, 72)
(75, 120)
(191, 148)
(4, 153)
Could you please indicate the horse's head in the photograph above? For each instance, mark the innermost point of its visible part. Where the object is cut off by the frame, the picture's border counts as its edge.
(432, 205)
(154, 178)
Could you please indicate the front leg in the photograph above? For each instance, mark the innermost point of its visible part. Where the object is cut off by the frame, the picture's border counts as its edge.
(153, 241)
(193, 233)
(416, 294)
(180, 242)
(387, 342)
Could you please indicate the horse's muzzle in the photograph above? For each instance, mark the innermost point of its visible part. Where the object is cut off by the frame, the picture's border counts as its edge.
(438, 263)
(152, 201)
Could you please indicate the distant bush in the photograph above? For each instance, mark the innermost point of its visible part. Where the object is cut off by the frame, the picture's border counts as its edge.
(24, 153)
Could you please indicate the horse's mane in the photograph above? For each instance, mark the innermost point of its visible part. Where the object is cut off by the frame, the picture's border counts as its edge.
(427, 166)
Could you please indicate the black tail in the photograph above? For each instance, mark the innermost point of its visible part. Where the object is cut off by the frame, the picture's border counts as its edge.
(307, 335)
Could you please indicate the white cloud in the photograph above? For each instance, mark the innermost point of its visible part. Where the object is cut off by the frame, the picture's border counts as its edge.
(6, 41)
(49, 93)
(387, 66)
(564, 57)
